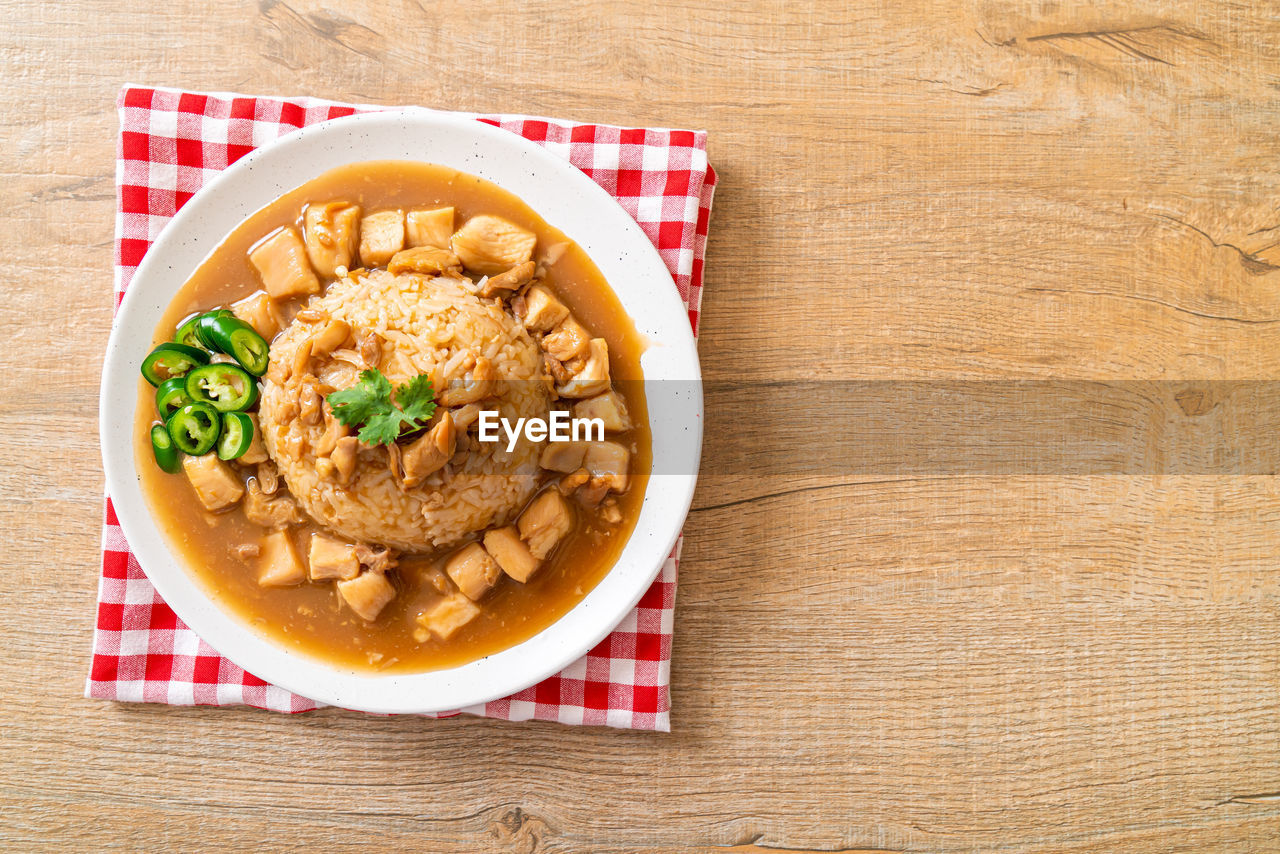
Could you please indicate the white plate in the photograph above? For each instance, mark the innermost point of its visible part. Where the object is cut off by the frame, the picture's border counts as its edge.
(565, 198)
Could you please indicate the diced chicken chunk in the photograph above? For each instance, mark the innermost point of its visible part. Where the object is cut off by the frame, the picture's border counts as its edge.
(344, 458)
(572, 481)
(367, 594)
(216, 485)
(267, 511)
(567, 340)
(475, 384)
(427, 260)
(590, 494)
(429, 453)
(591, 376)
(259, 312)
(449, 615)
(558, 371)
(504, 283)
(331, 231)
(278, 564)
(609, 461)
(257, 452)
(473, 570)
(545, 522)
(334, 334)
(542, 310)
(381, 236)
(510, 552)
(610, 512)
(332, 558)
(464, 416)
(281, 262)
(376, 558)
(609, 407)
(491, 245)
(563, 456)
(429, 227)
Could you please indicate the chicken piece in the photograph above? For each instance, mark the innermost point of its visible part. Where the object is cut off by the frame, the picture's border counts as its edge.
(377, 559)
(609, 407)
(246, 552)
(330, 557)
(267, 511)
(609, 461)
(281, 262)
(344, 458)
(591, 376)
(333, 336)
(473, 570)
(464, 416)
(216, 485)
(259, 311)
(504, 283)
(257, 452)
(310, 403)
(476, 384)
(449, 615)
(567, 341)
(572, 481)
(301, 359)
(268, 477)
(491, 245)
(559, 373)
(545, 522)
(591, 493)
(429, 227)
(367, 594)
(381, 236)
(279, 564)
(542, 311)
(371, 350)
(435, 578)
(427, 260)
(610, 512)
(334, 430)
(509, 552)
(563, 456)
(331, 232)
(428, 453)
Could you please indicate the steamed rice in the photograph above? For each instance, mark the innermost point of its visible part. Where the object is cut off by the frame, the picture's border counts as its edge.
(425, 326)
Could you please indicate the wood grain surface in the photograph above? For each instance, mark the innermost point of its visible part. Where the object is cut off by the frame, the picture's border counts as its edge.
(865, 659)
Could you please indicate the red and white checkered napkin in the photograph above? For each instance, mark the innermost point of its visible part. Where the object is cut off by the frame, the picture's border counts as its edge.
(170, 142)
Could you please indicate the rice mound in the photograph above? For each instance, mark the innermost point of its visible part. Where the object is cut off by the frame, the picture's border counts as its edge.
(425, 326)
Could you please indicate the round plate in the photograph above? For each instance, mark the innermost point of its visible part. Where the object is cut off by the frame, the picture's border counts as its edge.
(565, 198)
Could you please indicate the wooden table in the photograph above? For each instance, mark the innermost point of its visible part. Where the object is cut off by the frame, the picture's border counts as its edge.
(950, 660)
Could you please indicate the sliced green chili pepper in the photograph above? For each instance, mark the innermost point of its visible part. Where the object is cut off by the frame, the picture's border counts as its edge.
(162, 447)
(200, 322)
(186, 333)
(171, 395)
(237, 435)
(231, 335)
(194, 428)
(228, 387)
(172, 360)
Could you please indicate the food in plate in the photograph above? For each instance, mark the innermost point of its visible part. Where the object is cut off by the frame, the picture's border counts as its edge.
(318, 434)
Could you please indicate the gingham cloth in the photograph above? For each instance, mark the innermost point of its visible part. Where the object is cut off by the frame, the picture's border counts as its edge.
(170, 142)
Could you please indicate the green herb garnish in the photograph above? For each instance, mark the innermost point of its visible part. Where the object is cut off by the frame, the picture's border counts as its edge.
(370, 403)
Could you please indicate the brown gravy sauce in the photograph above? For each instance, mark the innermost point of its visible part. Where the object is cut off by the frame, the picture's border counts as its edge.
(310, 617)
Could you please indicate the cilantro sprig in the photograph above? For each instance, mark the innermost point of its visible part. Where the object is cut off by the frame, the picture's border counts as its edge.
(370, 405)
